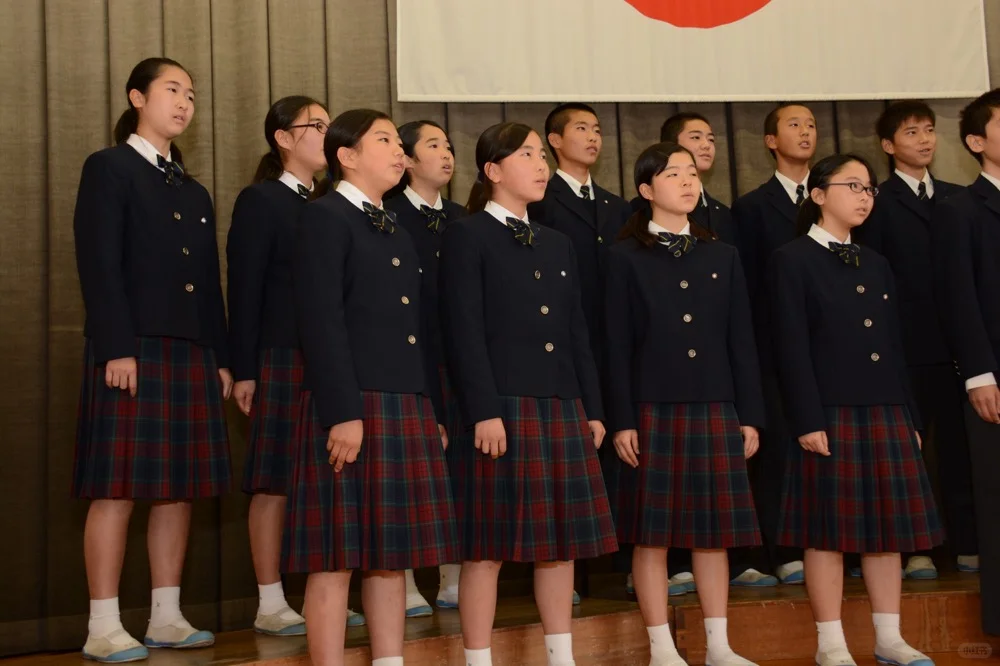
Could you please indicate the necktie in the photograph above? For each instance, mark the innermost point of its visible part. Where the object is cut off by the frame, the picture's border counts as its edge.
(303, 191)
(173, 170)
(800, 193)
(381, 219)
(677, 244)
(849, 253)
(434, 217)
(523, 232)
(922, 191)
(585, 192)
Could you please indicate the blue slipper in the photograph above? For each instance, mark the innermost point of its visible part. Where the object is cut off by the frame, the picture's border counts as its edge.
(356, 620)
(419, 611)
(195, 640)
(446, 604)
(794, 578)
(132, 654)
(576, 598)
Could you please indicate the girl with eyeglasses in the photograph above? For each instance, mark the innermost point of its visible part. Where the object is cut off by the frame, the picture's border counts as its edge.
(263, 341)
(856, 483)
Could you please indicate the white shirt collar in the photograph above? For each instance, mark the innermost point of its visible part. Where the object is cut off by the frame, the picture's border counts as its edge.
(915, 184)
(354, 195)
(790, 185)
(704, 197)
(995, 181)
(575, 185)
(654, 229)
(146, 149)
(288, 178)
(418, 200)
(824, 237)
(500, 213)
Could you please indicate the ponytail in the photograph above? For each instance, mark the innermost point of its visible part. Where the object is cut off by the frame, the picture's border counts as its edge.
(269, 167)
(127, 124)
(637, 226)
(480, 194)
(809, 214)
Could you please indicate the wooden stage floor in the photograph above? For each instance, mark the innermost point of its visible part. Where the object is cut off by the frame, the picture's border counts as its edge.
(768, 625)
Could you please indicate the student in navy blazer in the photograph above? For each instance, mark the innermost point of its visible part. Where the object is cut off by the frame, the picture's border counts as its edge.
(151, 422)
(580, 208)
(899, 228)
(694, 132)
(422, 211)
(765, 220)
(966, 244)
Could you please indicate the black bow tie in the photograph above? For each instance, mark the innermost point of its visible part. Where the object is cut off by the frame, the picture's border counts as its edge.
(678, 244)
(435, 218)
(173, 170)
(303, 191)
(523, 232)
(585, 192)
(382, 220)
(849, 253)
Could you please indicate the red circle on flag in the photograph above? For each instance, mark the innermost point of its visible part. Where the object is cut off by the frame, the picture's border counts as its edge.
(699, 13)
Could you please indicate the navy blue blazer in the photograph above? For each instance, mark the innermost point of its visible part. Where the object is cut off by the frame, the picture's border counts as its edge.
(147, 257)
(899, 228)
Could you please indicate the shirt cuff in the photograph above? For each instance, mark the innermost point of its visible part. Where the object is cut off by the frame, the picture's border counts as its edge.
(979, 381)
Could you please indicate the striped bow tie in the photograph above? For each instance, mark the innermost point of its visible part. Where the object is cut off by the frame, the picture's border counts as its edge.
(678, 244)
(849, 253)
(173, 170)
(382, 220)
(523, 232)
(435, 218)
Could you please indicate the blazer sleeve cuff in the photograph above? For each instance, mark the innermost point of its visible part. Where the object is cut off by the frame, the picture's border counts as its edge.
(979, 381)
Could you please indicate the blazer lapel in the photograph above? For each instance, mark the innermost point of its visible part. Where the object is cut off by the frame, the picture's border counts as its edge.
(898, 187)
(780, 200)
(988, 192)
(564, 194)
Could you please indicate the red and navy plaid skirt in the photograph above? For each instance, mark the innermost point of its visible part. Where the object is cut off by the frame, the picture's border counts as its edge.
(168, 443)
(389, 510)
(270, 449)
(691, 489)
(544, 500)
(870, 495)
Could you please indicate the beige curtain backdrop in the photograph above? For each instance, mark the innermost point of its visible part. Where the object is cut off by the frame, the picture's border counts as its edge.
(63, 64)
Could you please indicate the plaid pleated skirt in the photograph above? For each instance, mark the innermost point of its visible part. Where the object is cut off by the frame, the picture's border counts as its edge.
(544, 500)
(691, 489)
(870, 495)
(389, 510)
(168, 443)
(275, 414)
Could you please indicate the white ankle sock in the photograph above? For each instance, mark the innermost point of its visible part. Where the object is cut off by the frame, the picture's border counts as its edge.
(482, 657)
(104, 617)
(831, 635)
(411, 584)
(449, 576)
(716, 636)
(388, 661)
(661, 643)
(272, 598)
(166, 607)
(886, 629)
(559, 649)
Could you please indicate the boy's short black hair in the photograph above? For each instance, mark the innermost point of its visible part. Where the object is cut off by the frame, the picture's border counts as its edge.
(896, 114)
(559, 116)
(975, 117)
(674, 125)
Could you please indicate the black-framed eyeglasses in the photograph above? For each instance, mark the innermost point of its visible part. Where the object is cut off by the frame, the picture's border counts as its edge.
(319, 126)
(858, 188)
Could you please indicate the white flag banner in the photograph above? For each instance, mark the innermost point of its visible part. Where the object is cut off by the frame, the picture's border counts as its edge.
(689, 50)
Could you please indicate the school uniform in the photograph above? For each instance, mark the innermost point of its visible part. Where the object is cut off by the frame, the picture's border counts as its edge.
(149, 272)
(765, 220)
(842, 370)
(967, 278)
(684, 374)
(710, 214)
(263, 341)
(899, 228)
(517, 348)
(357, 295)
(592, 218)
(426, 223)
